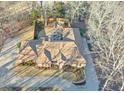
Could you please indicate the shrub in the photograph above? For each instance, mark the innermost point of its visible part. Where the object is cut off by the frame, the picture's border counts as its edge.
(56, 88)
(28, 63)
(82, 31)
(18, 44)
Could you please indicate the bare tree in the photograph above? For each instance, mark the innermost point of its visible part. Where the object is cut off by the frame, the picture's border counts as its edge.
(106, 22)
(76, 10)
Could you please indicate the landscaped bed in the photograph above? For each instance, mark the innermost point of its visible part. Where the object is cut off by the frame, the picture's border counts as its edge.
(78, 74)
(80, 77)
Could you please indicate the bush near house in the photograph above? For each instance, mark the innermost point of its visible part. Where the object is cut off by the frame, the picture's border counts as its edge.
(35, 14)
(28, 63)
(82, 31)
(19, 45)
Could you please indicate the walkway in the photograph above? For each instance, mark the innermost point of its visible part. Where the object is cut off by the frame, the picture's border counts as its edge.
(92, 83)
